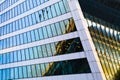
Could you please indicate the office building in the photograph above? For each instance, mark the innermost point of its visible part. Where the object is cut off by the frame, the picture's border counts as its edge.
(59, 39)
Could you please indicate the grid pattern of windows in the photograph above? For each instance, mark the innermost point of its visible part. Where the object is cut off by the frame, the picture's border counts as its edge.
(46, 50)
(46, 69)
(49, 12)
(6, 4)
(107, 43)
(48, 31)
(21, 8)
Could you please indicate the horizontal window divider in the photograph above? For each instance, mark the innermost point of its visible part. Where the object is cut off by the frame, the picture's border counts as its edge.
(60, 77)
(77, 55)
(2, 1)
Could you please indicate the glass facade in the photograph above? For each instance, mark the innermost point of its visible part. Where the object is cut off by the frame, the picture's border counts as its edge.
(6, 4)
(49, 12)
(105, 35)
(41, 51)
(76, 66)
(59, 28)
(102, 23)
(19, 9)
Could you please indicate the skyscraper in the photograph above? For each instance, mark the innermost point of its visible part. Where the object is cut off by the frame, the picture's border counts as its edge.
(59, 39)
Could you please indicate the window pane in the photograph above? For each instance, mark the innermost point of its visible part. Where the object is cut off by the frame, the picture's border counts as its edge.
(29, 72)
(31, 53)
(53, 11)
(27, 54)
(38, 69)
(33, 70)
(44, 51)
(41, 33)
(40, 51)
(35, 52)
(36, 35)
(24, 72)
(19, 55)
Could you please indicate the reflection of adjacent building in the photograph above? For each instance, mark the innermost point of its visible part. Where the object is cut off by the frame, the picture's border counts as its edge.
(69, 46)
(78, 66)
(66, 47)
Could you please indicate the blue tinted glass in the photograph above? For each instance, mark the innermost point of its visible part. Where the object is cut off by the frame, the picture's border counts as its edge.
(24, 6)
(31, 53)
(20, 72)
(1, 74)
(17, 27)
(14, 41)
(53, 11)
(45, 13)
(23, 54)
(41, 15)
(44, 50)
(31, 3)
(26, 21)
(32, 35)
(57, 25)
(33, 70)
(29, 36)
(15, 56)
(4, 75)
(62, 27)
(34, 3)
(4, 59)
(27, 54)
(38, 2)
(35, 52)
(21, 39)
(38, 70)
(7, 74)
(16, 73)
(40, 33)
(11, 56)
(37, 17)
(39, 51)
(53, 48)
(49, 12)
(66, 5)
(53, 30)
(29, 72)
(27, 5)
(49, 31)
(62, 8)
(30, 19)
(45, 32)
(36, 35)
(33, 18)
(42, 69)
(8, 57)
(1, 59)
(24, 72)
(23, 23)
(12, 73)
(25, 38)
(18, 39)
(57, 8)
(19, 55)
(48, 47)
